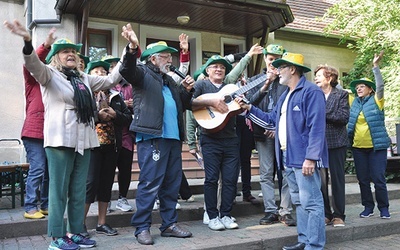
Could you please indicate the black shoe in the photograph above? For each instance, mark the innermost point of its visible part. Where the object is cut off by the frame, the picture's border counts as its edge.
(297, 246)
(269, 218)
(176, 231)
(145, 238)
(84, 232)
(253, 200)
(106, 229)
(288, 220)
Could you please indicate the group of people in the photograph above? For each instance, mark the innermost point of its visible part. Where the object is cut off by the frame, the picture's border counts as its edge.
(299, 128)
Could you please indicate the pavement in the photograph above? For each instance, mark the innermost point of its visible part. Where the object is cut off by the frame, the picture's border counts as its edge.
(17, 232)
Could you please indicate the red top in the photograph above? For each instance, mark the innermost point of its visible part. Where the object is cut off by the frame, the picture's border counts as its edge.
(33, 124)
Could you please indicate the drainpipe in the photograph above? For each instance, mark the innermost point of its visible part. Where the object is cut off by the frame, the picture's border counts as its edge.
(33, 23)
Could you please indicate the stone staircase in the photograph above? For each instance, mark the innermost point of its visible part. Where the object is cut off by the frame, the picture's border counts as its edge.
(190, 167)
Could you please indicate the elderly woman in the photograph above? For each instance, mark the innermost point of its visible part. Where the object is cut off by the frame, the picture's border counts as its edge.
(68, 132)
(369, 141)
(337, 116)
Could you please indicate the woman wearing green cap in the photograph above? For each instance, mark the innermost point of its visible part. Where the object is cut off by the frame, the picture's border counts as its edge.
(369, 141)
(68, 132)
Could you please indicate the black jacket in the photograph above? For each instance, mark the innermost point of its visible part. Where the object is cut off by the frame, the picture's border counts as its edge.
(148, 101)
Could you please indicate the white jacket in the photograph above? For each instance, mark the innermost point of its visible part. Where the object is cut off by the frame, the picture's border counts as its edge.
(61, 128)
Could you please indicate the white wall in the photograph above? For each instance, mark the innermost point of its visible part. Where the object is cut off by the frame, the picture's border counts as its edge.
(11, 80)
(12, 99)
(340, 58)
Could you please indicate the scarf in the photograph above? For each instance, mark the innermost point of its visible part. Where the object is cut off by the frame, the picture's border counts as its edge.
(82, 98)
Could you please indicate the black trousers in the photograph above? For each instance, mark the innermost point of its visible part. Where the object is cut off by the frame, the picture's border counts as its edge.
(246, 144)
(337, 158)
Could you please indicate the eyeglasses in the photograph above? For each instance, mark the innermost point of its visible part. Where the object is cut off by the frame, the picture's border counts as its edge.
(282, 67)
(165, 56)
(214, 67)
(360, 86)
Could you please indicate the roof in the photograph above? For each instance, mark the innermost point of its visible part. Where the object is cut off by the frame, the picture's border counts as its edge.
(235, 17)
(306, 13)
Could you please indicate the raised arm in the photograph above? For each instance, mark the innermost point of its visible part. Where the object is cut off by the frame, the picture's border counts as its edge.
(378, 75)
(232, 77)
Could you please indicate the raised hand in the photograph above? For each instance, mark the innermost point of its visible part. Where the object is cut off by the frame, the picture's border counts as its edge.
(50, 39)
(183, 43)
(377, 58)
(17, 28)
(255, 50)
(130, 36)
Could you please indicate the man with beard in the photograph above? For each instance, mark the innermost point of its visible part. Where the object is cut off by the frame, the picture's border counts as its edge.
(266, 98)
(158, 105)
(300, 146)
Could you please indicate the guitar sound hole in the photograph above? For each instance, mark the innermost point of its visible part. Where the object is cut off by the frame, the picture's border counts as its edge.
(227, 98)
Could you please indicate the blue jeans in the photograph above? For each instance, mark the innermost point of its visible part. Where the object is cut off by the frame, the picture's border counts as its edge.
(37, 183)
(306, 195)
(371, 165)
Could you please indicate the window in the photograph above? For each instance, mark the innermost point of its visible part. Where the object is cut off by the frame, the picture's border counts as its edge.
(231, 49)
(99, 43)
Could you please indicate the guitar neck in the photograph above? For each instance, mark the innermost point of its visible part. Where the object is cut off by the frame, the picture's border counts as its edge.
(251, 85)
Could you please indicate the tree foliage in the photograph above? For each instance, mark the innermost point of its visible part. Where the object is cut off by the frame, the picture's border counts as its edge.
(370, 26)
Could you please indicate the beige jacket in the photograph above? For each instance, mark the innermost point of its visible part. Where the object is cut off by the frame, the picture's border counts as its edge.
(61, 128)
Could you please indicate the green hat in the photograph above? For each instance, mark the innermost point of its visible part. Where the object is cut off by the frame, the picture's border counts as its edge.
(157, 47)
(95, 64)
(217, 59)
(274, 49)
(365, 81)
(85, 58)
(110, 59)
(62, 44)
(293, 59)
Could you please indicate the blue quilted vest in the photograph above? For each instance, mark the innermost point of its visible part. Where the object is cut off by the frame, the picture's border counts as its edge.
(375, 119)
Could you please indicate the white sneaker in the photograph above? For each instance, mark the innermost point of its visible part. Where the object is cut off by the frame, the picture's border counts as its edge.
(191, 199)
(260, 195)
(216, 225)
(178, 206)
(123, 205)
(206, 219)
(156, 205)
(229, 223)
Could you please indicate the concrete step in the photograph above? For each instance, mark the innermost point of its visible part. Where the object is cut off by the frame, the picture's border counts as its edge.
(13, 224)
(196, 185)
(250, 234)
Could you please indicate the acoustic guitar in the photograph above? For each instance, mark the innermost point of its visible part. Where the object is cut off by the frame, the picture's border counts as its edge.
(211, 119)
